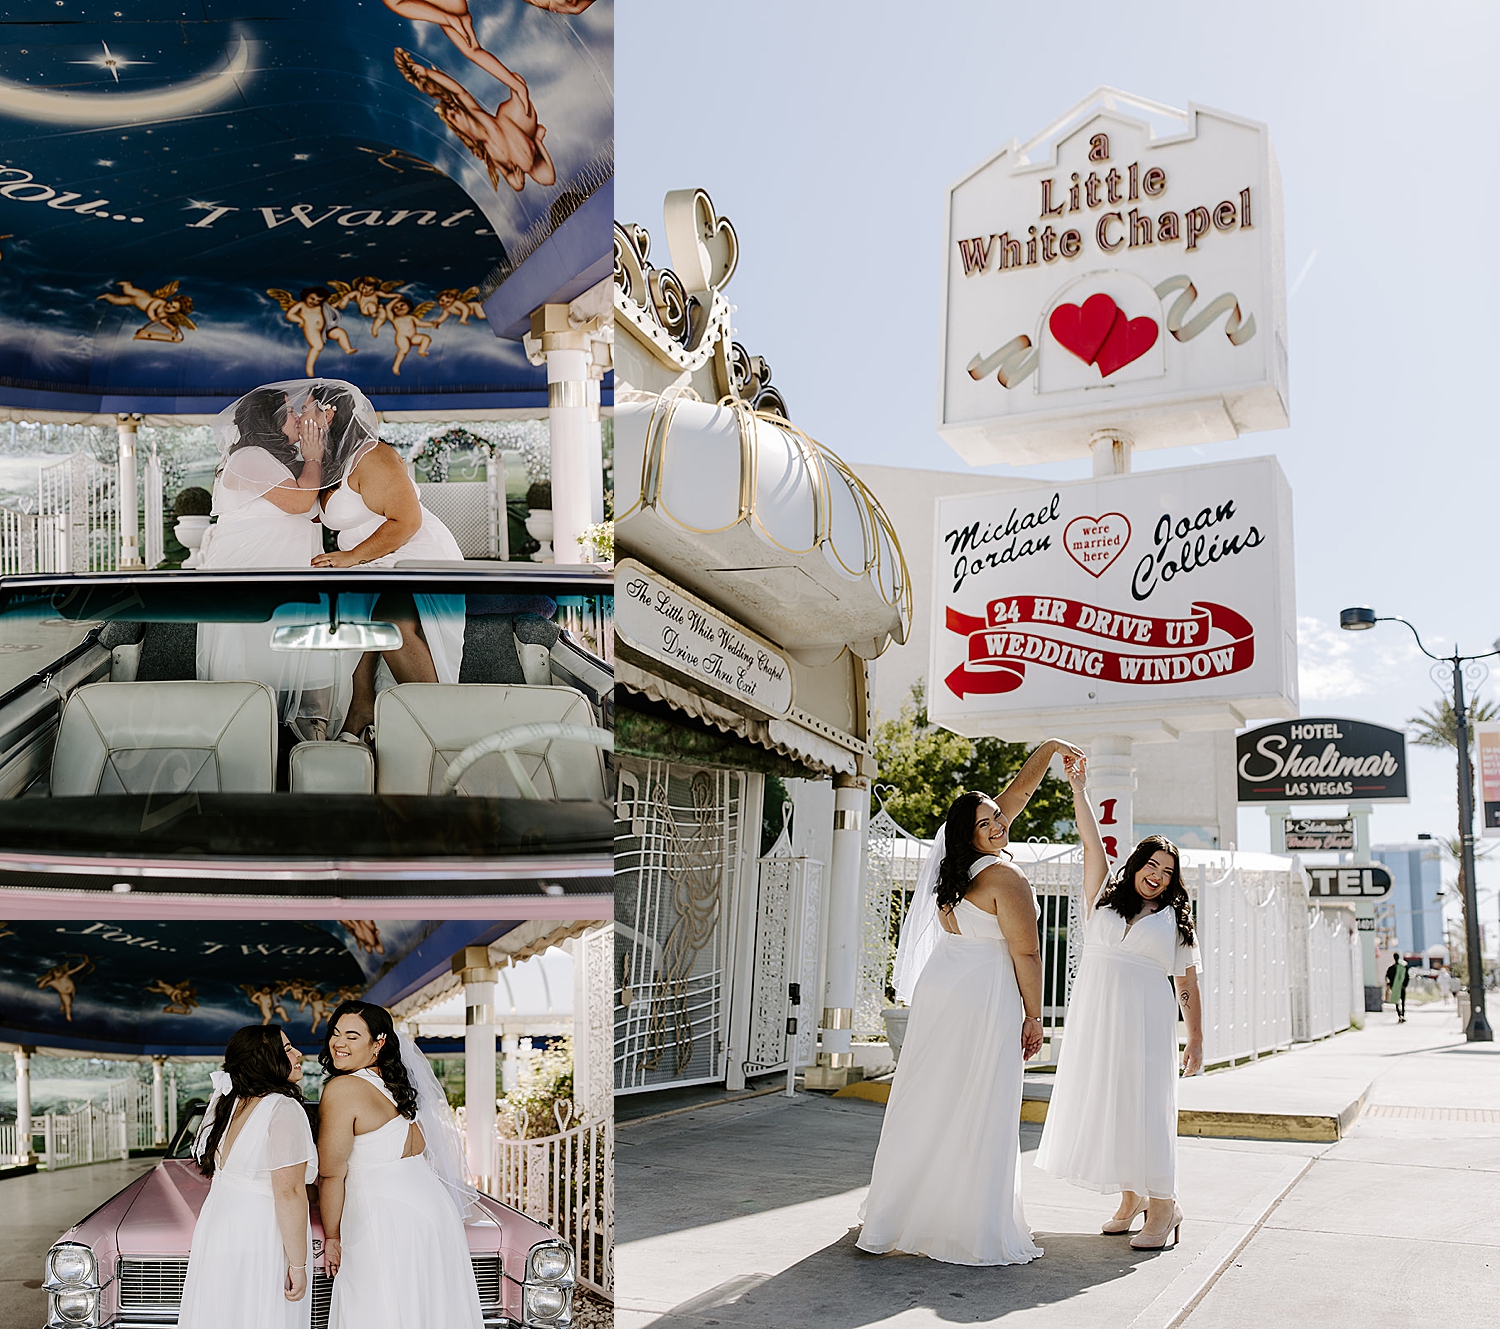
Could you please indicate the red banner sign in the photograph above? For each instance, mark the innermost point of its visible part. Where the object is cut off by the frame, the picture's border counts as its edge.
(1001, 644)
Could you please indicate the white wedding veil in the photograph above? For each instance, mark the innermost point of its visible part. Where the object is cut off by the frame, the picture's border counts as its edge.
(445, 1146)
(920, 928)
(256, 452)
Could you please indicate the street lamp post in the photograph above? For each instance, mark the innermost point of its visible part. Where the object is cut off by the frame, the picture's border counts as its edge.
(1358, 620)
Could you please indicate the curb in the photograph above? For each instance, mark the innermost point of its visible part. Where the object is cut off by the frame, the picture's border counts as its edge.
(1300, 1127)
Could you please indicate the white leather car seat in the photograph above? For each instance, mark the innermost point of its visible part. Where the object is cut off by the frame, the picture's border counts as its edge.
(166, 738)
(331, 768)
(421, 727)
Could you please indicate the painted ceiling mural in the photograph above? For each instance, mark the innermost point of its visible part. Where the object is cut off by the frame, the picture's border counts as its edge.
(185, 986)
(193, 203)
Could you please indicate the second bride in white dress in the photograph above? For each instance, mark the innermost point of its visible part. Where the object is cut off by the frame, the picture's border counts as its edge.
(380, 519)
(392, 1185)
(945, 1182)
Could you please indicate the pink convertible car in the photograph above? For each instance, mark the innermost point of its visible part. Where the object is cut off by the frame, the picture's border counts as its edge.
(124, 1264)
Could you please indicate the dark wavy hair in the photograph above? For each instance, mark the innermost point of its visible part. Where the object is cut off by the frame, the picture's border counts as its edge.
(259, 415)
(959, 853)
(1121, 895)
(257, 1064)
(388, 1062)
(345, 436)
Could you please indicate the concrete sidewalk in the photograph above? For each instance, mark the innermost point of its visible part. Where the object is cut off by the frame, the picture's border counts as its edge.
(744, 1213)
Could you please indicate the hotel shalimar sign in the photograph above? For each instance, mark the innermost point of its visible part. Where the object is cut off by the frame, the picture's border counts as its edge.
(1102, 277)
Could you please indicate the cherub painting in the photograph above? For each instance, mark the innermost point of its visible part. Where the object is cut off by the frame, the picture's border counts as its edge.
(318, 320)
(181, 997)
(367, 293)
(508, 140)
(60, 979)
(166, 312)
(267, 1000)
(321, 1007)
(406, 321)
(366, 933)
(463, 304)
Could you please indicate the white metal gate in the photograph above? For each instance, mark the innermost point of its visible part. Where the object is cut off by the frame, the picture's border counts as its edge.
(893, 857)
(77, 516)
(677, 859)
(783, 957)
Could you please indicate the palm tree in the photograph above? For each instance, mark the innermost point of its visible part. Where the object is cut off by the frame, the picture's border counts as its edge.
(1436, 726)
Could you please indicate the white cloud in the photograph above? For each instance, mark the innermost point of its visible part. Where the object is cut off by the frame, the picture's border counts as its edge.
(1336, 666)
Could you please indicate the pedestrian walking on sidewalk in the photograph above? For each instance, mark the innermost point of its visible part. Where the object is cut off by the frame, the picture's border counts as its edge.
(1395, 980)
(1112, 1119)
(944, 1182)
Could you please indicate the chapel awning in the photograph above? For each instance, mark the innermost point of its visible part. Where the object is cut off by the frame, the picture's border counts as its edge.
(193, 202)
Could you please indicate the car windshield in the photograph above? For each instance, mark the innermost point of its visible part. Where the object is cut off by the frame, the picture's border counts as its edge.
(410, 713)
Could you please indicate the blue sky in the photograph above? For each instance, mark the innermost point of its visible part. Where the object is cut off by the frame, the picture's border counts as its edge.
(829, 133)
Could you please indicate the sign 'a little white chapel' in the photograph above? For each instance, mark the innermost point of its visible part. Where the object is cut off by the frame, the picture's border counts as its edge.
(1114, 278)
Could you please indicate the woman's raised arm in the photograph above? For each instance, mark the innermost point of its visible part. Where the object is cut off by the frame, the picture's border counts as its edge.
(1023, 784)
(1095, 860)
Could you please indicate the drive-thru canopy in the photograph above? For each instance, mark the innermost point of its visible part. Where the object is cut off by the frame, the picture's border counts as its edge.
(194, 202)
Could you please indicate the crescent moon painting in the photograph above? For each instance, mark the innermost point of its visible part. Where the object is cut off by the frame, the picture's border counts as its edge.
(103, 109)
(192, 208)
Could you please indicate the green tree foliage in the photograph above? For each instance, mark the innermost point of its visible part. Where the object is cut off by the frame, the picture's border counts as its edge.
(929, 767)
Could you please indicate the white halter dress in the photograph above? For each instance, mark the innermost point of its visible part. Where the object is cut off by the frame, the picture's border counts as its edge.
(442, 615)
(945, 1182)
(406, 1256)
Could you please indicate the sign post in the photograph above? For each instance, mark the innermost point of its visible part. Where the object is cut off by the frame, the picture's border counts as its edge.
(1110, 288)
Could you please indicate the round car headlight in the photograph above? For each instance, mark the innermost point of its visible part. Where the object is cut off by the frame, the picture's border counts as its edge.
(546, 1303)
(76, 1307)
(550, 1264)
(73, 1264)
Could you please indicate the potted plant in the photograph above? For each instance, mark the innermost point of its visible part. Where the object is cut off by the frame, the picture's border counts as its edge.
(539, 522)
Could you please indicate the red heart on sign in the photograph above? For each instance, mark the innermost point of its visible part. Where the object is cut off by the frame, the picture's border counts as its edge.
(1095, 542)
(1082, 330)
(1128, 340)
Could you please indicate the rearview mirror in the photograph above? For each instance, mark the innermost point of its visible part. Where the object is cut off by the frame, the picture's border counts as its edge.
(345, 637)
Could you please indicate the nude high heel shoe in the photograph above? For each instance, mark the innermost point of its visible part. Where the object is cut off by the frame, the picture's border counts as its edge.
(1143, 1241)
(1114, 1226)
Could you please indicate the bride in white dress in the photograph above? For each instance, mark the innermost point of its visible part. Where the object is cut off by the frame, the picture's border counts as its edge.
(1112, 1119)
(392, 1185)
(380, 519)
(277, 450)
(944, 1182)
(252, 1243)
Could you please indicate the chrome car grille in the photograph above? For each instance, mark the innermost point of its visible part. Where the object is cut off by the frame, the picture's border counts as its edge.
(151, 1284)
(322, 1298)
(157, 1285)
(487, 1276)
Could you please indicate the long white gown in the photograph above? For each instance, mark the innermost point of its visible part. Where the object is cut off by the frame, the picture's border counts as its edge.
(237, 1265)
(1112, 1119)
(944, 1183)
(442, 615)
(406, 1259)
(252, 532)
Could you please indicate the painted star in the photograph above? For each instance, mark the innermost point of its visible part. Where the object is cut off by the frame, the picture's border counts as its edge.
(110, 61)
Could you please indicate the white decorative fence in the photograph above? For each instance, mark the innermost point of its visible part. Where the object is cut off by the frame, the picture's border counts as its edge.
(18, 531)
(567, 1182)
(474, 510)
(7, 1140)
(88, 1134)
(76, 526)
